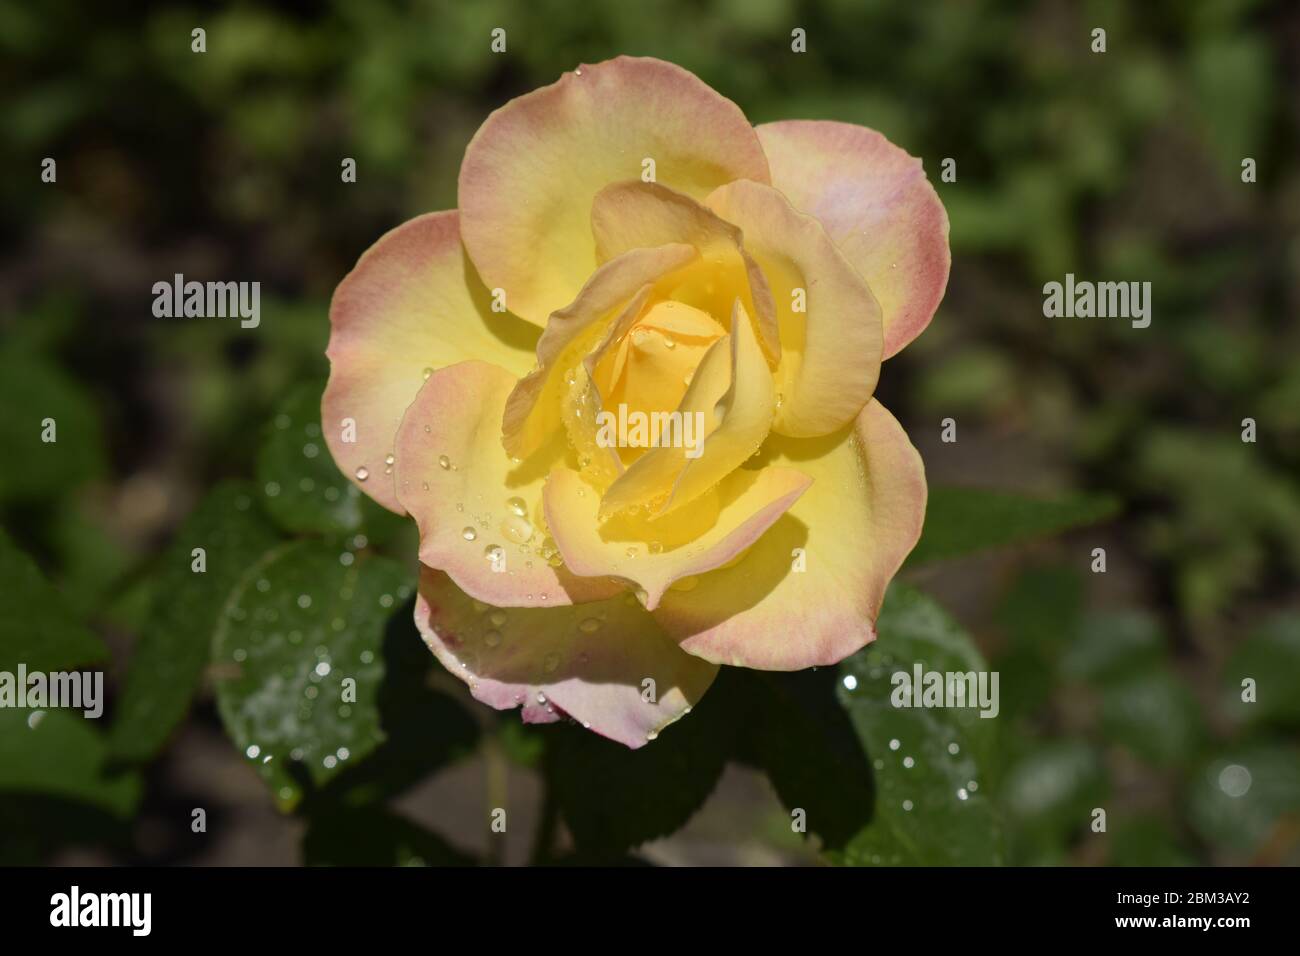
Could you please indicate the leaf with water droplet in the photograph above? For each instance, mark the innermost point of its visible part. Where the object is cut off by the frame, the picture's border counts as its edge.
(311, 494)
(60, 753)
(175, 645)
(937, 827)
(285, 696)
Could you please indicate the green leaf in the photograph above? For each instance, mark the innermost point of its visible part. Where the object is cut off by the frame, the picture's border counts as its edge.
(1154, 715)
(424, 729)
(1270, 657)
(1111, 645)
(1040, 617)
(1243, 802)
(797, 732)
(176, 643)
(964, 520)
(36, 627)
(1147, 840)
(1049, 794)
(931, 764)
(58, 753)
(306, 618)
(31, 391)
(301, 488)
(372, 836)
(614, 798)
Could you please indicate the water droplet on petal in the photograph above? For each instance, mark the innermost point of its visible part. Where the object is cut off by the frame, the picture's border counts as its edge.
(363, 473)
(469, 534)
(517, 529)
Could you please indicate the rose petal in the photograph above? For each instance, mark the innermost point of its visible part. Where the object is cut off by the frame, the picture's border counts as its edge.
(532, 170)
(748, 503)
(411, 303)
(649, 480)
(668, 477)
(854, 527)
(590, 662)
(532, 412)
(634, 215)
(457, 481)
(830, 357)
(878, 207)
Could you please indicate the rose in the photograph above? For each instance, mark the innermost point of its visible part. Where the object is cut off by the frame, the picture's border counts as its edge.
(656, 254)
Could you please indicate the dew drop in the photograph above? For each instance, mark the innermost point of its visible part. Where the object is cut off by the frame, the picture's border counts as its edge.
(444, 462)
(517, 529)
(589, 626)
(469, 534)
(427, 373)
(492, 638)
(498, 618)
(517, 506)
(363, 473)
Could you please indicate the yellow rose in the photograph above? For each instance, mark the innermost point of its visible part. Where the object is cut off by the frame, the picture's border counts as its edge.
(665, 456)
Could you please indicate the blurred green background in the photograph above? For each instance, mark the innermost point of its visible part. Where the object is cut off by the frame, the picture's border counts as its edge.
(1119, 689)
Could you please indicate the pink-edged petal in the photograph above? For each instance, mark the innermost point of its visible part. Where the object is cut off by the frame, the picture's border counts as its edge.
(411, 304)
(591, 662)
(876, 203)
(830, 351)
(478, 511)
(533, 168)
(849, 533)
(748, 503)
